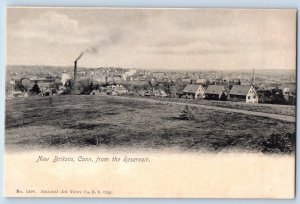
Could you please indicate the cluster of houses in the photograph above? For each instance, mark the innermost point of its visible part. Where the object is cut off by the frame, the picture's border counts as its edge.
(113, 90)
(118, 90)
(232, 90)
(245, 93)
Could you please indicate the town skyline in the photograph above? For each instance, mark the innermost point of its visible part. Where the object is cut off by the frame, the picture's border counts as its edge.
(161, 69)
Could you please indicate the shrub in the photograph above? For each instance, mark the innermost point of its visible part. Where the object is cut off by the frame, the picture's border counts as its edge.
(187, 114)
(277, 143)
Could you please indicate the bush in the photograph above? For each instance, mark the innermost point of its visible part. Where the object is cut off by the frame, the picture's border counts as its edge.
(279, 143)
(187, 114)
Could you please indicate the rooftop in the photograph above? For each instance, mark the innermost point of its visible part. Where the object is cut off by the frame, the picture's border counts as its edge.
(191, 88)
(241, 90)
(214, 89)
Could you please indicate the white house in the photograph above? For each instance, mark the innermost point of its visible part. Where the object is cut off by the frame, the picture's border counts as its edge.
(246, 93)
(193, 90)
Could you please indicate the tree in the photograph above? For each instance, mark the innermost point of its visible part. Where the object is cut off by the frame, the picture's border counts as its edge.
(35, 89)
(27, 83)
(96, 86)
(20, 87)
(277, 96)
(207, 83)
(84, 87)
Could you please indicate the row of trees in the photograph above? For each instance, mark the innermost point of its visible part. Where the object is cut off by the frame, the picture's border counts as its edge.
(276, 96)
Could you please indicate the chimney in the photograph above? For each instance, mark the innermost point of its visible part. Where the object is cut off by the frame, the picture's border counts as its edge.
(75, 72)
(75, 67)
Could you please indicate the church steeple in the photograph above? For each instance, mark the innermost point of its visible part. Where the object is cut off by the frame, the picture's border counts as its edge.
(253, 78)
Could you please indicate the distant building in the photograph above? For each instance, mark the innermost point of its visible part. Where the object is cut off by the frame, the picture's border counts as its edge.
(109, 90)
(158, 74)
(126, 76)
(109, 80)
(186, 80)
(246, 93)
(117, 79)
(218, 80)
(138, 83)
(118, 90)
(194, 91)
(166, 79)
(216, 92)
(163, 93)
(201, 81)
(43, 82)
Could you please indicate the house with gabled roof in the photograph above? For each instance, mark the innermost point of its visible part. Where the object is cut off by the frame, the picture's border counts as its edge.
(193, 91)
(216, 92)
(246, 93)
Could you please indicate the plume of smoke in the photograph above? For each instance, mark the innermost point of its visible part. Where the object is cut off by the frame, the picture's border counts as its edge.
(79, 56)
(91, 50)
(65, 78)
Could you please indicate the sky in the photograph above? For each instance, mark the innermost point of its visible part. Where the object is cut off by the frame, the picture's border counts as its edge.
(161, 39)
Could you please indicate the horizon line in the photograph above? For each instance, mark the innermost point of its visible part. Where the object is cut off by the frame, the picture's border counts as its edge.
(158, 69)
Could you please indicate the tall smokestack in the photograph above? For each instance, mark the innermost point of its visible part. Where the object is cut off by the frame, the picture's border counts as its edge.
(75, 67)
(75, 72)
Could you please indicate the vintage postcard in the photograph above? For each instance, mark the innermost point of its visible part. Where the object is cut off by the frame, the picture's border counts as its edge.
(150, 103)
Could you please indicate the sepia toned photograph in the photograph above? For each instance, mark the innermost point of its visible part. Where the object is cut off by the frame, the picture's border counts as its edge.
(152, 103)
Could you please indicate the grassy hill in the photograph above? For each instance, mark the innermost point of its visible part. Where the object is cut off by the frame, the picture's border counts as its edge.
(109, 122)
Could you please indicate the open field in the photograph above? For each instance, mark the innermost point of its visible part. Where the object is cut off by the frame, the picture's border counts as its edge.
(116, 122)
(288, 110)
(287, 118)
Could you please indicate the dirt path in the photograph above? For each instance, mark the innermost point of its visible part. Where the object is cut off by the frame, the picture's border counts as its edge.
(270, 115)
